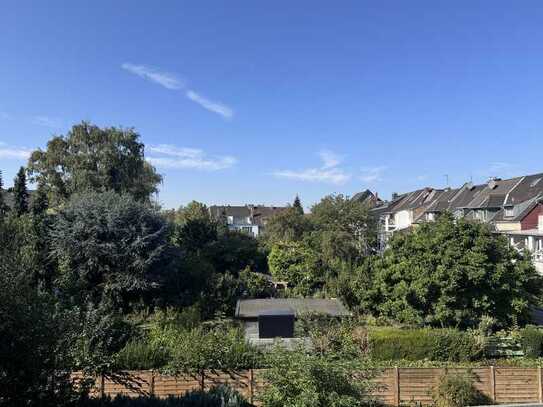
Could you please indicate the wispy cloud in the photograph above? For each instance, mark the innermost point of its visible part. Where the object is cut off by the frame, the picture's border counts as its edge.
(47, 121)
(500, 169)
(372, 174)
(14, 152)
(172, 82)
(215, 107)
(329, 172)
(173, 157)
(165, 79)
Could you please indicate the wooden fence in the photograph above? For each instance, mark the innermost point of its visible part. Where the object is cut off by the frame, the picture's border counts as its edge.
(394, 387)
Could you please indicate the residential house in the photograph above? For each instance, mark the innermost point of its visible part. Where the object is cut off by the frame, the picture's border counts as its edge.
(511, 206)
(249, 219)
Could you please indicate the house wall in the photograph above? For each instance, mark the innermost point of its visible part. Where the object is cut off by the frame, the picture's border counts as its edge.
(403, 219)
(531, 220)
(508, 226)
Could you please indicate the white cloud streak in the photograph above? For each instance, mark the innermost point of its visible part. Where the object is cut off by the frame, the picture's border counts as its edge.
(47, 121)
(215, 107)
(172, 157)
(14, 153)
(372, 174)
(329, 172)
(165, 79)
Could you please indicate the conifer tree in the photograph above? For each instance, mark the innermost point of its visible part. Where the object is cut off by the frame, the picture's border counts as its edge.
(298, 205)
(20, 193)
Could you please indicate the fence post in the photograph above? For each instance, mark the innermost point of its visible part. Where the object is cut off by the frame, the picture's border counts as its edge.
(540, 384)
(102, 386)
(396, 386)
(492, 383)
(251, 390)
(202, 376)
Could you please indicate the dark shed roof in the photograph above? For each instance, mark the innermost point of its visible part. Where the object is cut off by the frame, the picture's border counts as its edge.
(254, 308)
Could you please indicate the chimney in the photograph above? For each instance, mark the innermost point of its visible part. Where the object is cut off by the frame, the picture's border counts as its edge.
(394, 195)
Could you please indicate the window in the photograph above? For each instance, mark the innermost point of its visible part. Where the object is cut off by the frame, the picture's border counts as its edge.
(230, 220)
(509, 211)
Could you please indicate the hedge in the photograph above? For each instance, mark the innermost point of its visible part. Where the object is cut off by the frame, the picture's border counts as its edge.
(424, 344)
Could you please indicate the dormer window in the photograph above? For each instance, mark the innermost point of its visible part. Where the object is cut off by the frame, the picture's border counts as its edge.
(509, 212)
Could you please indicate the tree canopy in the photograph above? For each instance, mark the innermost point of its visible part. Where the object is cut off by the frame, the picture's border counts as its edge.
(449, 273)
(89, 158)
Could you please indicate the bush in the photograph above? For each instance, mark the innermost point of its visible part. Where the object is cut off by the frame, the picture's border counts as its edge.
(141, 355)
(192, 350)
(220, 396)
(457, 390)
(531, 340)
(297, 379)
(419, 344)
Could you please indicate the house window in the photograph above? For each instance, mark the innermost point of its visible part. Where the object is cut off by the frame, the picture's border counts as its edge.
(230, 220)
(509, 212)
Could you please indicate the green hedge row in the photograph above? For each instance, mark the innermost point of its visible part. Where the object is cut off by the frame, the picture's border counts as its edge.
(424, 344)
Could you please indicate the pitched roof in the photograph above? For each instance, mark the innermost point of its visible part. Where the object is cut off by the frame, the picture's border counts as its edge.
(258, 214)
(300, 306)
(494, 193)
(527, 188)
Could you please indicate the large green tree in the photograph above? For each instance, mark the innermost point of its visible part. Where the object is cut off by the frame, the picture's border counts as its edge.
(89, 158)
(110, 248)
(449, 273)
(3, 206)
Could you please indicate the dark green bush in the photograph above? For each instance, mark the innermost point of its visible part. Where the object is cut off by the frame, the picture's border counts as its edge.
(531, 339)
(420, 344)
(457, 390)
(220, 396)
(141, 355)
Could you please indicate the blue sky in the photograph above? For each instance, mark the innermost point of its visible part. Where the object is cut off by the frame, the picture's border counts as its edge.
(253, 102)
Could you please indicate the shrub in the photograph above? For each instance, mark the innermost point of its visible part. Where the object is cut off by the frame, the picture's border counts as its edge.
(141, 355)
(531, 340)
(457, 390)
(420, 344)
(295, 378)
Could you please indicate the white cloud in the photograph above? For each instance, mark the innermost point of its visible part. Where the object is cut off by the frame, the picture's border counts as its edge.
(372, 174)
(14, 153)
(215, 107)
(173, 157)
(328, 172)
(47, 121)
(167, 80)
(329, 159)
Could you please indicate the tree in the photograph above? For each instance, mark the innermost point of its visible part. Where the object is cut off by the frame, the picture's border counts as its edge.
(110, 249)
(40, 202)
(3, 206)
(297, 205)
(34, 363)
(298, 264)
(449, 273)
(345, 230)
(288, 225)
(96, 159)
(20, 193)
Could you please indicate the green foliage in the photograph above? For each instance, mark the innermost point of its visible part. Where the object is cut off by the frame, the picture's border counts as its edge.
(531, 339)
(297, 205)
(33, 355)
(220, 396)
(419, 344)
(110, 249)
(141, 354)
(40, 202)
(457, 390)
(449, 273)
(302, 380)
(3, 206)
(20, 193)
(89, 158)
(288, 225)
(192, 350)
(298, 264)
